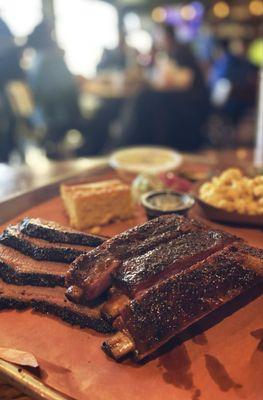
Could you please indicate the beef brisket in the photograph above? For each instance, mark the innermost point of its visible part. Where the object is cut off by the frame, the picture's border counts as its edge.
(19, 269)
(40, 249)
(54, 233)
(37, 252)
(51, 301)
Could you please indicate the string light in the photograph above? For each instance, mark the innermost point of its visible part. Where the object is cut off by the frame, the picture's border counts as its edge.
(159, 14)
(256, 7)
(221, 9)
(188, 12)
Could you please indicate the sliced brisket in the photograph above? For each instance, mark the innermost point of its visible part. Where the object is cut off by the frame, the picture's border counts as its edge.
(40, 249)
(19, 269)
(51, 301)
(53, 232)
(37, 252)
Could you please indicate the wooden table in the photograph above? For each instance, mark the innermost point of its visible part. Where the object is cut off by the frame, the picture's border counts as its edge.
(16, 180)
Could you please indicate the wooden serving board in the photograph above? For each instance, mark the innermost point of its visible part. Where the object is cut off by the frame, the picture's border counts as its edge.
(224, 362)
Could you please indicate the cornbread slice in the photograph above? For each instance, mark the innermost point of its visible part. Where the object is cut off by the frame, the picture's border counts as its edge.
(97, 203)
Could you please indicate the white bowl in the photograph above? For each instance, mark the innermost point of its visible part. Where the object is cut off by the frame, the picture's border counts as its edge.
(145, 160)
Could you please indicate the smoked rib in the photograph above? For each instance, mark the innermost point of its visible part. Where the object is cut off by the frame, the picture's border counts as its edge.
(140, 273)
(122, 260)
(170, 307)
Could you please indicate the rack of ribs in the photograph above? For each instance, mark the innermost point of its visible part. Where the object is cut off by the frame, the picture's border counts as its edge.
(140, 257)
(171, 306)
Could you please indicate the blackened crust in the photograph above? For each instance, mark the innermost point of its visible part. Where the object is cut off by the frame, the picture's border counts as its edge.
(65, 315)
(10, 275)
(13, 238)
(51, 301)
(53, 232)
(141, 272)
(88, 271)
(167, 309)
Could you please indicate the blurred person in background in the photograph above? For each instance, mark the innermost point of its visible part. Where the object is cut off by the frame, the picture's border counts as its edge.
(10, 55)
(54, 87)
(233, 79)
(10, 70)
(182, 55)
(113, 69)
(172, 109)
(119, 58)
(203, 47)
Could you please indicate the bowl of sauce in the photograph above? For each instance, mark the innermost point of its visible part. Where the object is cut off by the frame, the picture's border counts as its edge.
(160, 202)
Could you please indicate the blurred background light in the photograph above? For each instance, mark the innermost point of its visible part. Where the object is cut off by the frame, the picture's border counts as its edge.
(141, 40)
(199, 8)
(188, 12)
(132, 21)
(21, 16)
(221, 9)
(159, 14)
(256, 7)
(84, 28)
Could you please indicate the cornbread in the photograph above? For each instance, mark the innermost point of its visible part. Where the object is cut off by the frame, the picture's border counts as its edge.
(97, 203)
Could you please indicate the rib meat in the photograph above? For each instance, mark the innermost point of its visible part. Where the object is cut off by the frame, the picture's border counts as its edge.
(170, 307)
(141, 272)
(145, 237)
(92, 273)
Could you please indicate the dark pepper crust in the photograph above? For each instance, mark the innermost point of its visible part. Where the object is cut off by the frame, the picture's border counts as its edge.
(68, 316)
(133, 242)
(10, 275)
(10, 237)
(51, 301)
(53, 232)
(143, 271)
(167, 309)
(145, 237)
